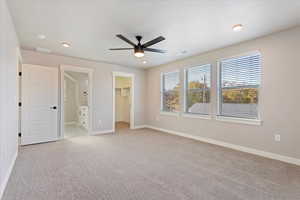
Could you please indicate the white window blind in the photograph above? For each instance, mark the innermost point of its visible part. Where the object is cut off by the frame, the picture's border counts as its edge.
(197, 92)
(170, 92)
(239, 89)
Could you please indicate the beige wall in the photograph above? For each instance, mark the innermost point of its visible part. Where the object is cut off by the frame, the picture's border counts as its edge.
(102, 83)
(8, 95)
(279, 100)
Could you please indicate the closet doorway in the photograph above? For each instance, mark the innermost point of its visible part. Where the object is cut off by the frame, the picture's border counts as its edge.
(123, 96)
(76, 91)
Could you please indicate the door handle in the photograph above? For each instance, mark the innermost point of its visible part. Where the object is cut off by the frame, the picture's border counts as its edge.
(54, 107)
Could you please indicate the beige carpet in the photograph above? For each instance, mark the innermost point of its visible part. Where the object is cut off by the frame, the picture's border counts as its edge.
(74, 130)
(146, 165)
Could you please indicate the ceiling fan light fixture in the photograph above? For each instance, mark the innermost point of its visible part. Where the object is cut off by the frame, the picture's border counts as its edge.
(139, 53)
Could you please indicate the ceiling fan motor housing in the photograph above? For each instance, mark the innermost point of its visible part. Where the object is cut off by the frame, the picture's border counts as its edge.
(138, 49)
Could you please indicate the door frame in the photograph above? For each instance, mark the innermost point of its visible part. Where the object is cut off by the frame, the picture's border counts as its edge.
(127, 75)
(19, 75)
(89, 71)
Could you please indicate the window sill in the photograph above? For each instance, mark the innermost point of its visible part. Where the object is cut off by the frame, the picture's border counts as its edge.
(175, 114)
(256, 122)
(197, 116)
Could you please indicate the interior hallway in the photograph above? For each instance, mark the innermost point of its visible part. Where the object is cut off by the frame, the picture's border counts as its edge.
(122, 125)
(145, 164)
(122, 128)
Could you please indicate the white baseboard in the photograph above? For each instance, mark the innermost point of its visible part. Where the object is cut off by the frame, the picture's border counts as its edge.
(111, 130)
(6, 178)
(140, 126)
(102, 132)
(270, 155)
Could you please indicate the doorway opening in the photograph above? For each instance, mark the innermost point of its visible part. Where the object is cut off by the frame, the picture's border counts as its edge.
(123, 96)
(76, 104)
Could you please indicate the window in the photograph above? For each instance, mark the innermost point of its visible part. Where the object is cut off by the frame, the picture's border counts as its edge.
(197, 90)
(239, 86)
(170, 92)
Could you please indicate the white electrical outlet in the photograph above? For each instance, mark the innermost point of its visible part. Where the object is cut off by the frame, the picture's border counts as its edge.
(100, 123)
(277, 138)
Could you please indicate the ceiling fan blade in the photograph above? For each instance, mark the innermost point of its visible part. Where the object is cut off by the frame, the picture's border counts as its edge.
(155, 50)
(121, 49)
(152, 42)
(125, 39)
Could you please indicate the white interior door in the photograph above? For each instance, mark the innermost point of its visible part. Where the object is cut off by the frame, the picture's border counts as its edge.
(39, 104)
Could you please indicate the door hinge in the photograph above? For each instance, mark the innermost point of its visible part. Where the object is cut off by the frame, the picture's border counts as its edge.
(20, 134)
(20, 104)
(20, 73)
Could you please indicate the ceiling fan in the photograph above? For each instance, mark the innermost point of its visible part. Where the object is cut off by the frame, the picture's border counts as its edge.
(140, 48)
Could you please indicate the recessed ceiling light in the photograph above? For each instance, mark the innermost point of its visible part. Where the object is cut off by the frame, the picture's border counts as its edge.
(41, 36)
(65, 44)
(144, 62)
(237, 27)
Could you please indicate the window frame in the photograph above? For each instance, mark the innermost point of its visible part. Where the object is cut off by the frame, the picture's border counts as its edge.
(163, 112)
(185, 88)
(250, 121)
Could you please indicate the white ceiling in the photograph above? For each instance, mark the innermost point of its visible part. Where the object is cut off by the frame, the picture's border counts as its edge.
(192, 25)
